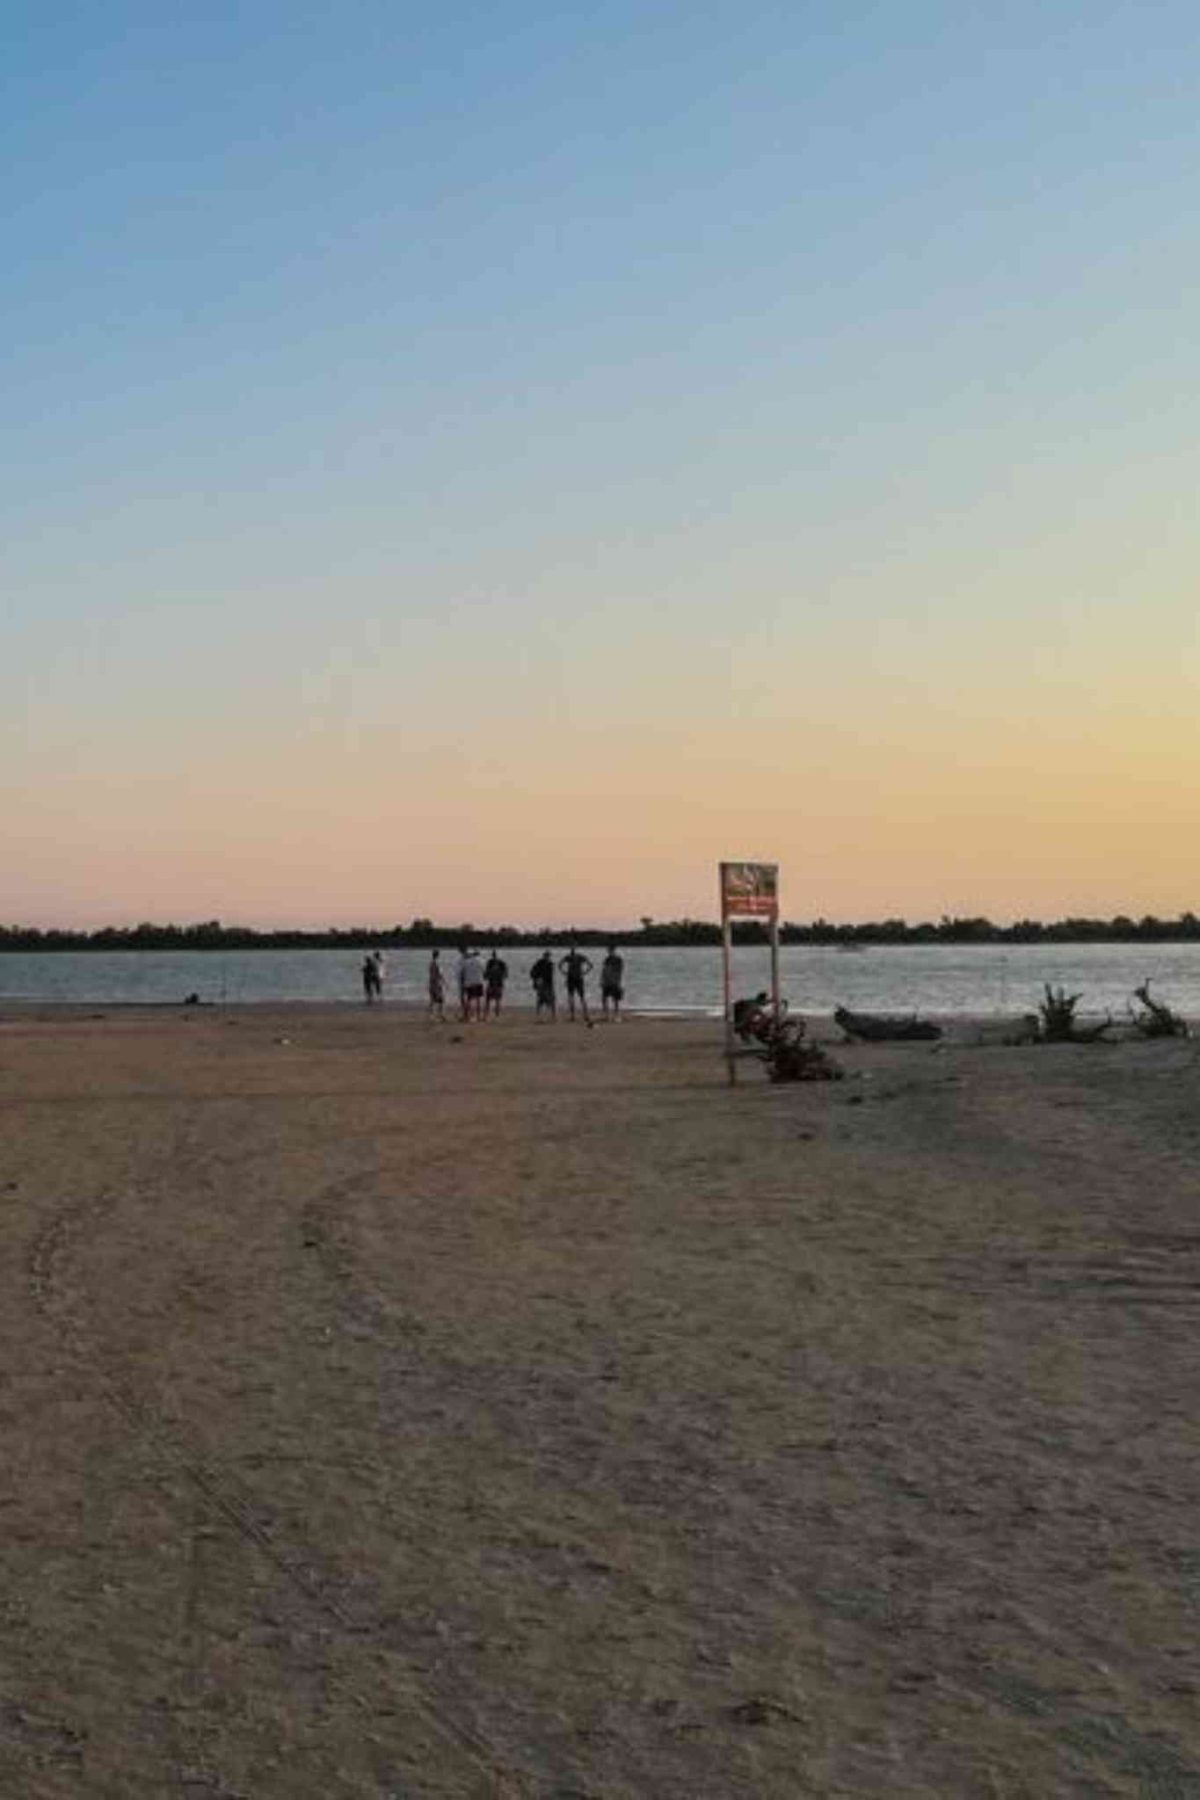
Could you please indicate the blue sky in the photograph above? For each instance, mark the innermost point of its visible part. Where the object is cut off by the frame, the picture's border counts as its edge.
(498, 463)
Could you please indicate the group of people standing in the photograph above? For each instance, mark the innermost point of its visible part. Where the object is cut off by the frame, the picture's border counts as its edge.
(481, 983)
(575, 968)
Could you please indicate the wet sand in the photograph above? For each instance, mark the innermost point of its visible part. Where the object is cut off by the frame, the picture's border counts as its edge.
(514, 1410)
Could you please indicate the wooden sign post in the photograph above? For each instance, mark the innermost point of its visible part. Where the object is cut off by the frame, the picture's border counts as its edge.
(749, 890)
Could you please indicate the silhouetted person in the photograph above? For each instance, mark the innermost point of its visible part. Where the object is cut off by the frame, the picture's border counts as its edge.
(542, 977)
(495, 974)
(576, 967)
(750, 1016)
(437, 988)
(470, 984)
(612, 983)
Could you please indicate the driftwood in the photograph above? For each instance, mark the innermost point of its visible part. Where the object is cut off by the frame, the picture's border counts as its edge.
(789, 1058)
(1156, 1018)
(779, 1042)
(882, 1028)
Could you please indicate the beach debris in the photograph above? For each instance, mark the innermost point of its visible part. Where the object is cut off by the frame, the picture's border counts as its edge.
(1057, 1023)
(759, 1710)
(1156, 1019)
(779, 1042)
(1025, 1030)
(789, 1058)
(885, 1028)
(796, 1061)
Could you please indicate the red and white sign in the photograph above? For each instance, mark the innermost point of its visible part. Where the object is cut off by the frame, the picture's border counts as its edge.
(749, 890)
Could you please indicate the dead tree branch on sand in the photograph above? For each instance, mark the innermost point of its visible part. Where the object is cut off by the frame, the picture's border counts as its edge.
(789, 1058)
(1156, 1019)
(779, 1043)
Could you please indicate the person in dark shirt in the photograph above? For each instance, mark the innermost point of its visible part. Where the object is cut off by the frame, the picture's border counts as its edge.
(612, 983)
(542, 977)
(495, 974)
(576, 967)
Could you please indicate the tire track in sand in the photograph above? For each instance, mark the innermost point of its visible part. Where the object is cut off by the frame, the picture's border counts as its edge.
(51, 1264)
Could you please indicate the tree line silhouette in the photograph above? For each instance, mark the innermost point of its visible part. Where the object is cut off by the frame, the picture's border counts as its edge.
(423, 934)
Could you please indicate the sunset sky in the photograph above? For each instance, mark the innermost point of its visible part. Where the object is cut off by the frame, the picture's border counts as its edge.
(493, 461)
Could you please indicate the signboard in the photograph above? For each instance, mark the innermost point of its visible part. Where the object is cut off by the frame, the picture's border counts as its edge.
(749, 890)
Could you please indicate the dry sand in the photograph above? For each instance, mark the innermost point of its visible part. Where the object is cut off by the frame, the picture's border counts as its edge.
(518, 1410)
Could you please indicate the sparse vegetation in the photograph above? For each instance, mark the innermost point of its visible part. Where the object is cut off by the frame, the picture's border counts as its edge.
(1056, 1014)
(1057, 1023)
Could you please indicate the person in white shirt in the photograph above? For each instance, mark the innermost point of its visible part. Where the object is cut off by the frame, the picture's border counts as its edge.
(470, 983)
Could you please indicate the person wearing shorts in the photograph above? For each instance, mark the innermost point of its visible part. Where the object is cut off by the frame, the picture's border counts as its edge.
(576, 967)
(612, 983)
(470, 983)
(495, 974)
(542, 976)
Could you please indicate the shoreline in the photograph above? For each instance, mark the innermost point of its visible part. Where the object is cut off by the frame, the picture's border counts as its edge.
(956, 1027)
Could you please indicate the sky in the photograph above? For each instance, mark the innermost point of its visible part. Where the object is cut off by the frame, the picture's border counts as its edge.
(492, 462)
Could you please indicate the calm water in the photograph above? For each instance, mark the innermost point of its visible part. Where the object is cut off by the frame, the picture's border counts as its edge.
(982, 979)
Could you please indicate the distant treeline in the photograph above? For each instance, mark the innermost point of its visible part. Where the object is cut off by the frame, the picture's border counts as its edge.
(424, 934)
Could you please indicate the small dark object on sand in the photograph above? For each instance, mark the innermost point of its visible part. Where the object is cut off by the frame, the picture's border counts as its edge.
(758, 1710)
(1026, 1030)
(883, 1028)
(789, 1058)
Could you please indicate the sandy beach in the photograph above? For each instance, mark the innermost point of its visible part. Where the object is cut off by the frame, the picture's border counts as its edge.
(393, 1410)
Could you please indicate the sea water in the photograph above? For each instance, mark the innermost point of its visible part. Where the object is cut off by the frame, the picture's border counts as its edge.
(946, 979)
